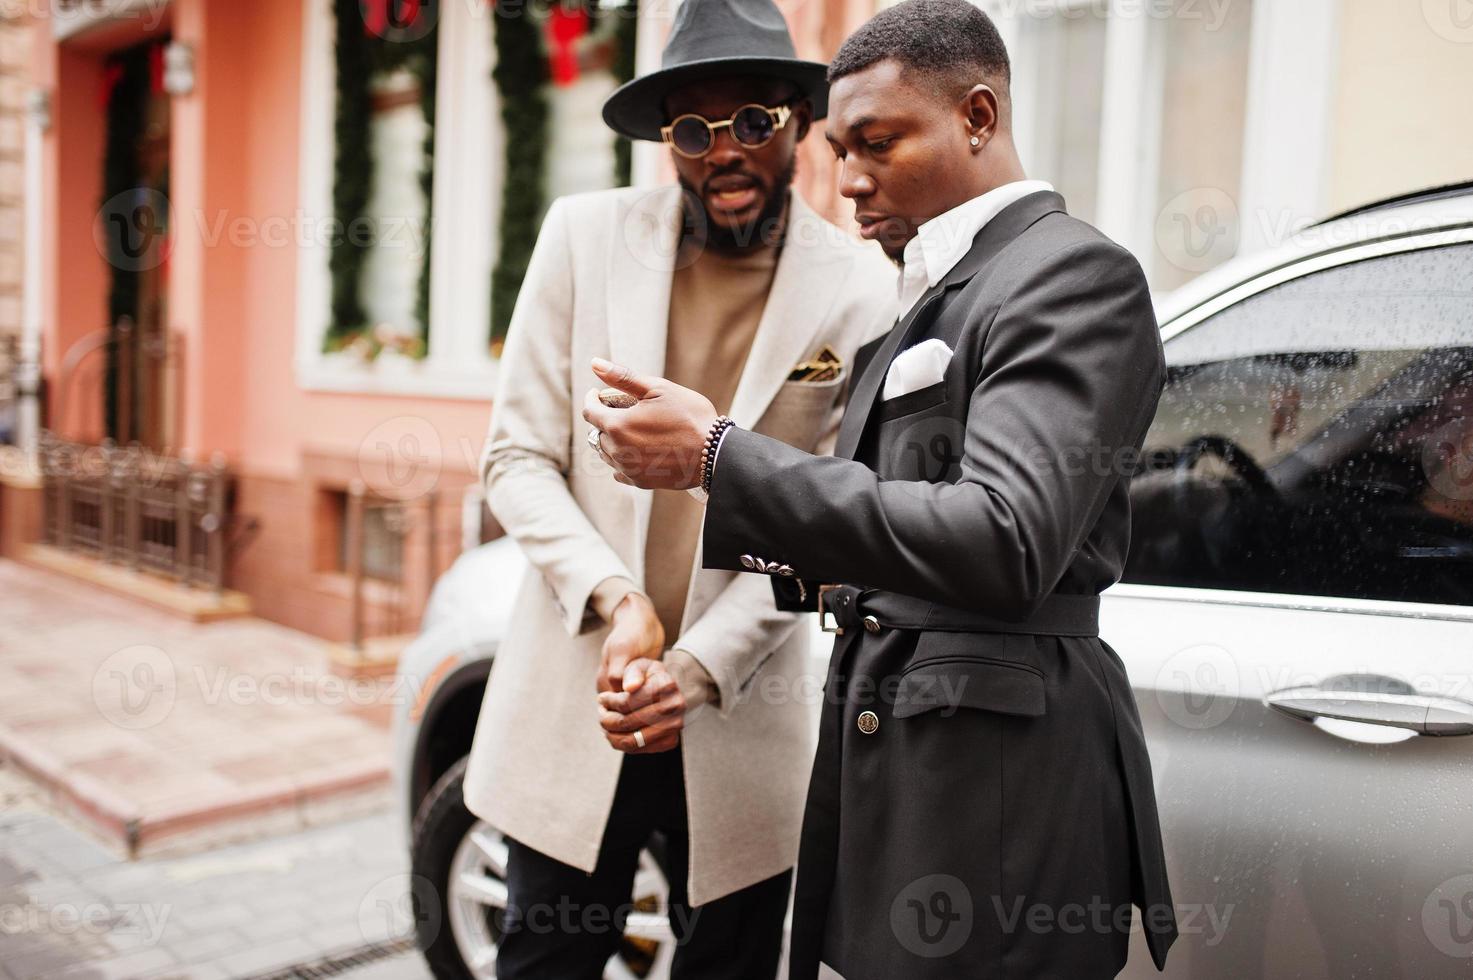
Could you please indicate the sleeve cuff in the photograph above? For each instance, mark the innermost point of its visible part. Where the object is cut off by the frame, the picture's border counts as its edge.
(698, 491)
(608, 594)
(695, 683)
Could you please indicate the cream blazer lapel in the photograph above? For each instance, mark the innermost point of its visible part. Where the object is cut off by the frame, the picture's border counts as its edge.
(641, 266)
(797, 307)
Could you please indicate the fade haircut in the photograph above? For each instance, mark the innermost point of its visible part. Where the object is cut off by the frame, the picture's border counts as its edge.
(951, 43)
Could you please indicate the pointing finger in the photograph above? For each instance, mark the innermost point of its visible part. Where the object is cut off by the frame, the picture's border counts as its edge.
(618, 376)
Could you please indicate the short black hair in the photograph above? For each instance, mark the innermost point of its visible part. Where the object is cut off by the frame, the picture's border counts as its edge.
(952, 42)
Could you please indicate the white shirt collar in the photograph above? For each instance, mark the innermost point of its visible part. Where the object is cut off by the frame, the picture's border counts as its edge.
(941, 243)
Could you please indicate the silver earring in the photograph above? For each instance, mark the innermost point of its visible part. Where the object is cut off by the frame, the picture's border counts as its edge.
(976, 141)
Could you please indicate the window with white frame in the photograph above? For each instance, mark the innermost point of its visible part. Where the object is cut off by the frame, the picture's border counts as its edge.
(458, 223)
(1058, 88)
(1137, 113)
(1204, 99)
(442, 313)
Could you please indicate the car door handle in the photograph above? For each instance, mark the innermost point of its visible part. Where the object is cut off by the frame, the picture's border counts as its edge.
(1425, 714)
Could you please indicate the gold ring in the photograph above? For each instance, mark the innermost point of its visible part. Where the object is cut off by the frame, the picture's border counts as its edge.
(639, 737)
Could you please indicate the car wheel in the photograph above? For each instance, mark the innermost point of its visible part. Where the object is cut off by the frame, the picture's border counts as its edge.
(460, 860)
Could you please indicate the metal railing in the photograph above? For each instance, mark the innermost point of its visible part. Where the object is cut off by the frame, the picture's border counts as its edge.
(380, 536)
(9, 390)
(132, 507)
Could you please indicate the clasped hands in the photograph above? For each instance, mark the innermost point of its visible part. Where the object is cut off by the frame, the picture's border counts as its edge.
(641, 707)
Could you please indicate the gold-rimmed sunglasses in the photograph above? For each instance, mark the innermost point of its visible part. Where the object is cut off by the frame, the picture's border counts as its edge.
(692, 135)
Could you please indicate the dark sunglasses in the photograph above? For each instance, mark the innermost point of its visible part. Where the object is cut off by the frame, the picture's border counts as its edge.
(693, 136)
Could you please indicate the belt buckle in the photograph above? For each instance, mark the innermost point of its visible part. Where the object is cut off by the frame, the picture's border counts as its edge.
(824, 614)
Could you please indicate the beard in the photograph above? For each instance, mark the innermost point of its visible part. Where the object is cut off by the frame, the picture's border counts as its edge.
(701, 229)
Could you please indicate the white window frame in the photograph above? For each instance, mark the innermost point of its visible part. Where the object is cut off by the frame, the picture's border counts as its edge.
(1129, 150)
(469, 165)
(1292, 61)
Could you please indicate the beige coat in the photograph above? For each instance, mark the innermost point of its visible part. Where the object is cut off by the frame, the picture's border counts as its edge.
(540, 769)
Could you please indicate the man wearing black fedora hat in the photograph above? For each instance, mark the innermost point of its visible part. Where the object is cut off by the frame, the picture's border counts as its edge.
(732, 284)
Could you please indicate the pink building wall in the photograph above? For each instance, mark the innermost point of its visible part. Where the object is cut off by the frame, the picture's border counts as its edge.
(232, 284)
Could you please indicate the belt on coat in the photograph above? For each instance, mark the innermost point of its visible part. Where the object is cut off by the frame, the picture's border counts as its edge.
(853, 608)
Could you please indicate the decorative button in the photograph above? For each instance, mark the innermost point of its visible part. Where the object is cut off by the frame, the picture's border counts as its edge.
(786, 571)
(748, 561)
(869, 722)
(761, 564)
(871, 624)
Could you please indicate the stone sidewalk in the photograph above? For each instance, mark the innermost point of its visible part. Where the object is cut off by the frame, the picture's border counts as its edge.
(165, 735)
(320, 898)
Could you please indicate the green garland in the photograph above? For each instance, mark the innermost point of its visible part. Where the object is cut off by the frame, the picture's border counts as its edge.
(521, 75)
(625, 31)
(359, 56)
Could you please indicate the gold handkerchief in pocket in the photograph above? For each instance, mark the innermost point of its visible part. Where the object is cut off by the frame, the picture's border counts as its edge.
(826, 365)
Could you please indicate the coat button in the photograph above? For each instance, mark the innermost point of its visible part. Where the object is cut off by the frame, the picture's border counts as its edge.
(871, 624)
(869, 722)
(749, 562)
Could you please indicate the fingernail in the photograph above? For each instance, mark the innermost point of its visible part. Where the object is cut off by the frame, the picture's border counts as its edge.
(599, 364)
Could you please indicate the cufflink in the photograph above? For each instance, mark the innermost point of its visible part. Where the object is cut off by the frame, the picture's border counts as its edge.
(767, 567)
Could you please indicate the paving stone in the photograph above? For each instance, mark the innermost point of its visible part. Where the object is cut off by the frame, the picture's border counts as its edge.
(125, 967)
(195, 950)
(259, 959)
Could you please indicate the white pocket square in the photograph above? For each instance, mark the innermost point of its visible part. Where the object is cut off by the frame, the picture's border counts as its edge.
(917, 367)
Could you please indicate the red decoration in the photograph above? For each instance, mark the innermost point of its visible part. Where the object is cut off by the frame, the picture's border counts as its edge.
(156, 68)
(376, 15)
(564, 28)
(111, 75)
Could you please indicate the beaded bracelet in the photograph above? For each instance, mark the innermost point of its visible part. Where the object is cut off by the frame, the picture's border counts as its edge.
(708, 450)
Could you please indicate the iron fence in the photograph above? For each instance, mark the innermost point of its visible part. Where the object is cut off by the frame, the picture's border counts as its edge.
(381, 536)
(9, 390)
(138, 509)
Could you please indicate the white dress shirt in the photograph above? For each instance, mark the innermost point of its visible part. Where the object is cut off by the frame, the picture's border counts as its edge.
(938, 246)
(941, 243)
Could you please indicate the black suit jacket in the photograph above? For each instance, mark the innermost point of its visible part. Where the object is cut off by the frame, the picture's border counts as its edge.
(1000, 485)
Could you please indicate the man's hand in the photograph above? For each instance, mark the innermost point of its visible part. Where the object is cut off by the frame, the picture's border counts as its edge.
(636, 635)
(650, 709)
(656, 444)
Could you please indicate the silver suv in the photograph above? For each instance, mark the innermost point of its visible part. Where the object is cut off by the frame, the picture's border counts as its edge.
(1296, 616)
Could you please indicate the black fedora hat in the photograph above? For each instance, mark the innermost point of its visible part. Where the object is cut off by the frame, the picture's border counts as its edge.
(710, 39)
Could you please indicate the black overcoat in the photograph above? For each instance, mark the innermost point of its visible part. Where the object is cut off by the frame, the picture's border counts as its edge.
(981, 803)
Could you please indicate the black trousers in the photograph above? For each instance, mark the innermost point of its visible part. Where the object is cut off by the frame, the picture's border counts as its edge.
(564, 924)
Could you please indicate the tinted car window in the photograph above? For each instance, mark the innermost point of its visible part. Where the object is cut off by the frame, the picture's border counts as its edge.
(1316, 439)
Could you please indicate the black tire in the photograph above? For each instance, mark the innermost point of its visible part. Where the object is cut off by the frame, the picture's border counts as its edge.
(440, 824)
